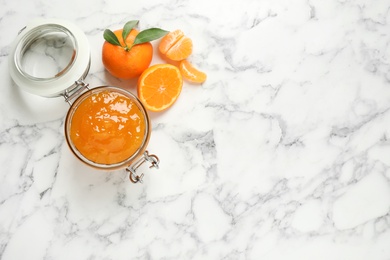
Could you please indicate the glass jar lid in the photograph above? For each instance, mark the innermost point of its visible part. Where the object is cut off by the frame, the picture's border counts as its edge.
(48, 57)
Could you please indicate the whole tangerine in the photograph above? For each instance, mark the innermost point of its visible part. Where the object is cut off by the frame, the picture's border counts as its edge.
(123, 62)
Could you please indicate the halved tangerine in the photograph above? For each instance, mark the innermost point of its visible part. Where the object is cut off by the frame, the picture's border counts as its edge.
(159, 86)
(191, 73)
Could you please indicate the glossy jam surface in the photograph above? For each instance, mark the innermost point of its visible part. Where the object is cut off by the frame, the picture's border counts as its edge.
(107, 127)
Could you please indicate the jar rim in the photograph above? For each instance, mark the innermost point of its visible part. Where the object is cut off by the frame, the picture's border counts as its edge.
(75, 67)
(125, 162)
(30, 39)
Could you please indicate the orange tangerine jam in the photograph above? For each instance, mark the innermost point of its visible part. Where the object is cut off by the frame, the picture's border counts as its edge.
(107, 127)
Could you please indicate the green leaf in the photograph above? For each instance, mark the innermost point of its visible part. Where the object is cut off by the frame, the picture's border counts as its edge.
(127, 28)
(149, 35)
(111, 37)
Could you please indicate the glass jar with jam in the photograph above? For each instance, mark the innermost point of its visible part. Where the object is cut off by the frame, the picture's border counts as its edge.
(106, 127)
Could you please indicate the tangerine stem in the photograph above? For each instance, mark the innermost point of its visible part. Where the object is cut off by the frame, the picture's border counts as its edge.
(127, 48)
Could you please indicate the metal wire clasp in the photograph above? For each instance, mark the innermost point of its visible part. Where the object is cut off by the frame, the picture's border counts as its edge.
(80, 86)
(153, 159)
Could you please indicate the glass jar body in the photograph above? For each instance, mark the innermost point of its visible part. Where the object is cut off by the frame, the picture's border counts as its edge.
(106, 122)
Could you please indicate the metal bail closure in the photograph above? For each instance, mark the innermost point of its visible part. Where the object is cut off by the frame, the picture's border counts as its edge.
(80, 86)
(153, 159)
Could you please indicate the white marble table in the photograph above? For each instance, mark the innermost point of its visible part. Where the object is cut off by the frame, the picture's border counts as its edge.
(283, 153)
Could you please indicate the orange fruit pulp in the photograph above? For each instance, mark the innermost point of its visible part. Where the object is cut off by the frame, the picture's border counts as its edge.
(159, 86)
(191, 73)
(126, 64)
(107, 127)
(176, 46)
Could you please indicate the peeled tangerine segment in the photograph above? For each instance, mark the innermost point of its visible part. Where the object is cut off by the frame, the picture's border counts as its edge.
(169, 40)
(191, 73)
(176, 46)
